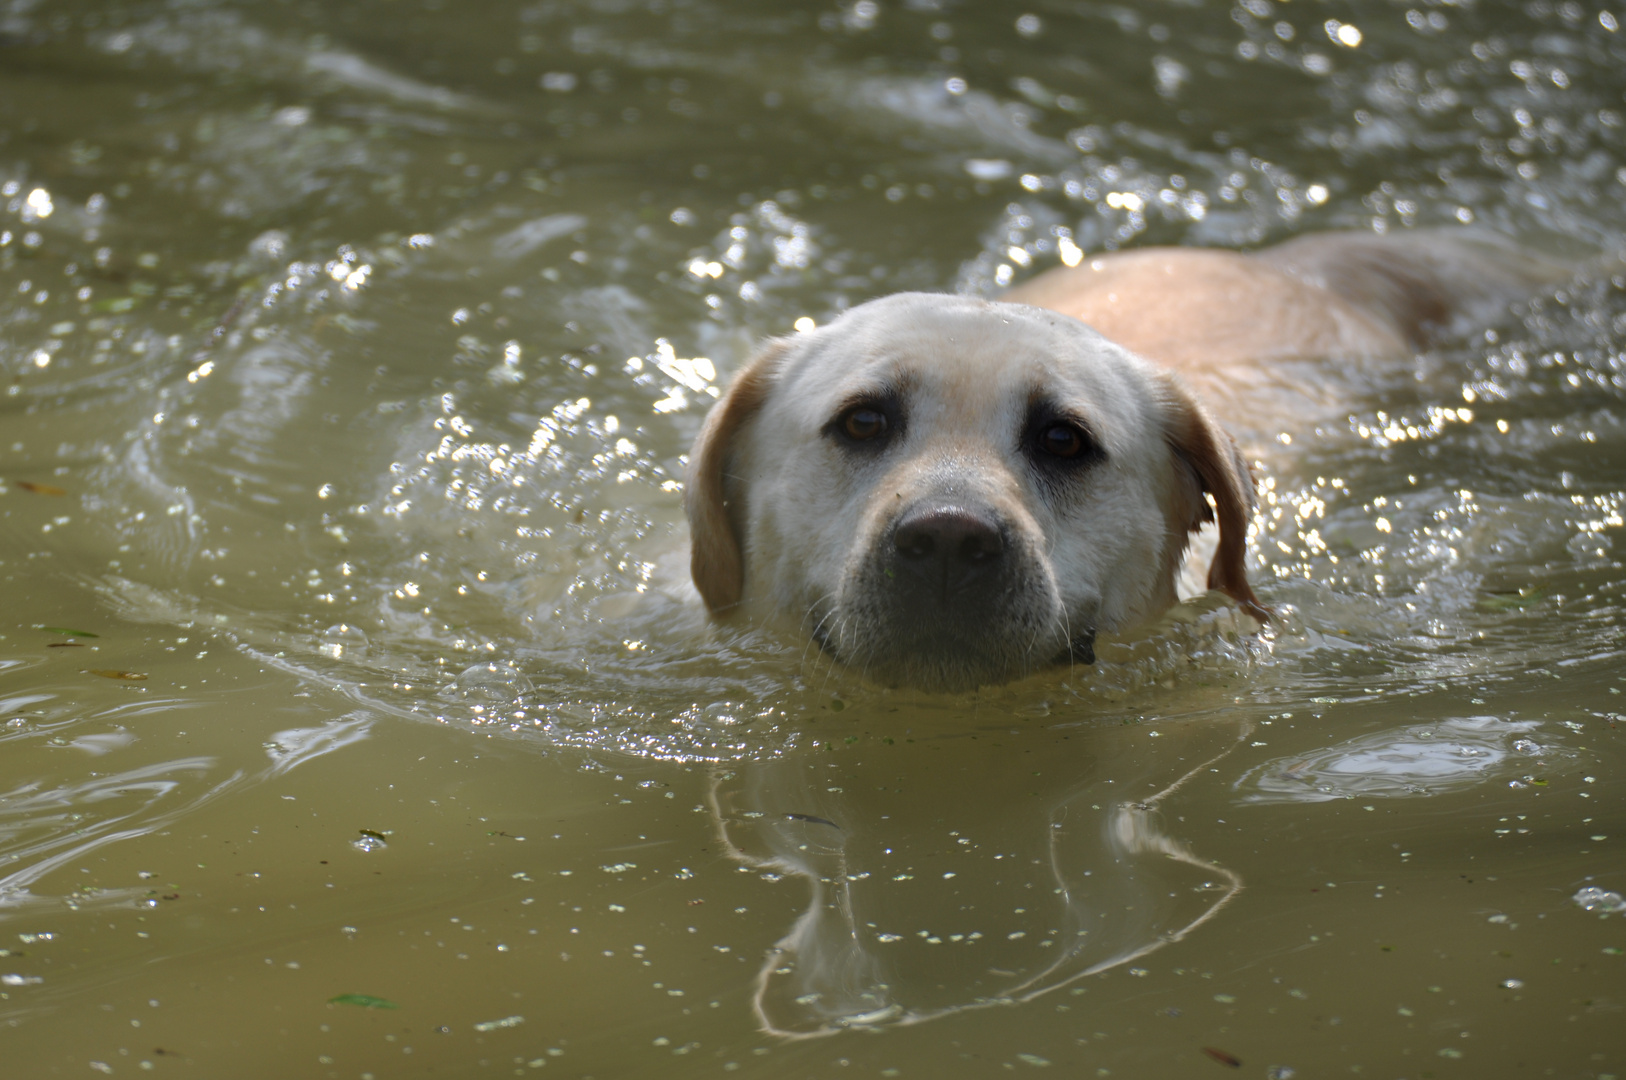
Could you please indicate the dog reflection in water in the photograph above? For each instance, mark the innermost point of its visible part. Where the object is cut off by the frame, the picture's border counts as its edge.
(911, 919)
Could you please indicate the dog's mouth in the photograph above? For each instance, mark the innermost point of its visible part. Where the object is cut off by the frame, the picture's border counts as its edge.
(962, 665)
(1081, 650)
(821, 634)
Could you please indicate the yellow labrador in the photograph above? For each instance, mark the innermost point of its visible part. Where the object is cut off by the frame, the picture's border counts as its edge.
(949, 492)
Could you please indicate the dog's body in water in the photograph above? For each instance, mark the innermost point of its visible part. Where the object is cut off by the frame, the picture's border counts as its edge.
(948, 492)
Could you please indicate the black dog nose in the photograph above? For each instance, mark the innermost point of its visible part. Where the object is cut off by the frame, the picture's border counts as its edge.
(949, 536)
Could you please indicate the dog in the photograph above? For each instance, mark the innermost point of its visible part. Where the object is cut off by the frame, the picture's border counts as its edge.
(949, 492)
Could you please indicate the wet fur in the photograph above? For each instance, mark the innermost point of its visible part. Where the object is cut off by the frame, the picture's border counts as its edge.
(787, 526)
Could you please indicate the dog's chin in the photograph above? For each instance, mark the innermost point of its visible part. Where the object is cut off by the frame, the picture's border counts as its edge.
(942, 660)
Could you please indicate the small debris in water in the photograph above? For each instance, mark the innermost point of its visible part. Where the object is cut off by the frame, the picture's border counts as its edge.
(365, 1001)
(125, 676)
(369, 840)
(810, 819)
(65, 645)
(40, 489)
(65, 630)
(1222, 1057)
(1593, 898)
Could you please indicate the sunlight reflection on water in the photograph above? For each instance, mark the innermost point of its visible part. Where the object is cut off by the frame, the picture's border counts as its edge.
(1425, 759)
(350, 357)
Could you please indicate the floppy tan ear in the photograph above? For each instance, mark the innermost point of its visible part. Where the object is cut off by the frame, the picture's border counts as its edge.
(1222, 472)
(716, 559)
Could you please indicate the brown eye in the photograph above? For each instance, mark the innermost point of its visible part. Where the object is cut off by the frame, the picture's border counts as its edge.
(863, 423)
(1062, 441)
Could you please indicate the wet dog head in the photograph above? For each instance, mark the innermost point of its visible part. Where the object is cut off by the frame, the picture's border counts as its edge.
(950, 492)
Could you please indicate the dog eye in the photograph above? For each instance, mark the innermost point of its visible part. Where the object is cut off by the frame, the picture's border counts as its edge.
(863, 423)
(1062, 441)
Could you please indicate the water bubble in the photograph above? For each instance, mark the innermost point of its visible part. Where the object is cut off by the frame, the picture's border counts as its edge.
(369, 841)
(343, 640)
(1593, 898)
(722, 712)
(1419, 760)
(497, 682)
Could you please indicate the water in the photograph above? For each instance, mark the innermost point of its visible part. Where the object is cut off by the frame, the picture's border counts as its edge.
(356, 724)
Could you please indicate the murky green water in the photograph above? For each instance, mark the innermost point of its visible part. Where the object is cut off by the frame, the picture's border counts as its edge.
(349, 351)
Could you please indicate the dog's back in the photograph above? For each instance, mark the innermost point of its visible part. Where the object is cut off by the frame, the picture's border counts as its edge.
(1426, 283)
(1340, 295)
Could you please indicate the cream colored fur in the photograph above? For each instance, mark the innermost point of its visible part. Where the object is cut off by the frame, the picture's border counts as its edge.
(794, 525)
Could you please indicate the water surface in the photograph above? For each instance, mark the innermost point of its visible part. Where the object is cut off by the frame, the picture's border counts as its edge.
(355, 720)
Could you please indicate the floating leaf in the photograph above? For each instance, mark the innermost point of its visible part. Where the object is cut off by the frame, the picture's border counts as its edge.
(1510, 601)
(365, 1001)
(40, 489)
(65, 630)
(127, 676)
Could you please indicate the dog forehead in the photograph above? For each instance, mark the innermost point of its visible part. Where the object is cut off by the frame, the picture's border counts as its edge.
(980, 355)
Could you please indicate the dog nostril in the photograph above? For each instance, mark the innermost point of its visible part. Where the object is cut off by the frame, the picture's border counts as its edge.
(948, 532)
(980, 545)
(915, 543)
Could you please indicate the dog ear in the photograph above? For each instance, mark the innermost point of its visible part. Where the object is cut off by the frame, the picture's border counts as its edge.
(716, 559)
(1223, 473)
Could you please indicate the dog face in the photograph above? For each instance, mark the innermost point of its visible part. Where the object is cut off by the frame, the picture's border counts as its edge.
(948, 493)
